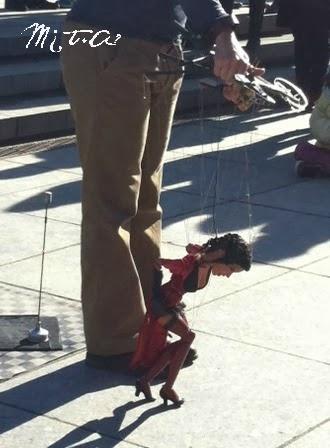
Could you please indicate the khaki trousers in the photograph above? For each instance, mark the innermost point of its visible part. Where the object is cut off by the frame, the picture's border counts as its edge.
(123, 120)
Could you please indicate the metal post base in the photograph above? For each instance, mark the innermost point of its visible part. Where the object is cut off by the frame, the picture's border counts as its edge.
(38, 335)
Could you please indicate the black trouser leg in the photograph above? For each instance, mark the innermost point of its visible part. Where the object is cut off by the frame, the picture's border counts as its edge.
(257, 8)
(15, 5)
(311, 59)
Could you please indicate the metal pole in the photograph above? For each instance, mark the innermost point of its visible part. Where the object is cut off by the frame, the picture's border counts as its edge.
(39, 334)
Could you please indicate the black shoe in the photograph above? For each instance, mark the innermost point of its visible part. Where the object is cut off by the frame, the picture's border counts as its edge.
(115, 363)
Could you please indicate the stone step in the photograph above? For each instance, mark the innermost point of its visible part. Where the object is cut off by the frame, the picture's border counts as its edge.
(32, 75)
(29, 75)
(28, 118)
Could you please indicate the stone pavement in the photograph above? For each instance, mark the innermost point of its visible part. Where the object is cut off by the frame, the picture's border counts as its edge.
(262, 376)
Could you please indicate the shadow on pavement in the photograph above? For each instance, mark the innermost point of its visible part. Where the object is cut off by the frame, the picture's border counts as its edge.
(109, 428)
(53, 390)
(271, 168)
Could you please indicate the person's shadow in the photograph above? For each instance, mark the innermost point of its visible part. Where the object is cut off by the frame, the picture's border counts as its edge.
(108, 428)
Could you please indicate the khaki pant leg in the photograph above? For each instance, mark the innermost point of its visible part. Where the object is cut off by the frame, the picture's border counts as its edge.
(146, 225)
(111, 107)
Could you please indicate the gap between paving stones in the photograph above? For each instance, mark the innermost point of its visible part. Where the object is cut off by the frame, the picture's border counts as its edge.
(297, 182)
(300, 268)
(261, 282)
(53, 219)
(240, 201)
(33, 188)
(263, 347)
(303, 434)
(284, 209)
(44, 169)
(39, 254)
(48, 294)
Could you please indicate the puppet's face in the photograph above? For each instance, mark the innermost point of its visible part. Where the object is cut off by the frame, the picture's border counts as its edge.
(225, 270)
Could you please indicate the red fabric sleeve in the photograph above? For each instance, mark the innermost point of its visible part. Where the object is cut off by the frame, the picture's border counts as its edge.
(179, 266)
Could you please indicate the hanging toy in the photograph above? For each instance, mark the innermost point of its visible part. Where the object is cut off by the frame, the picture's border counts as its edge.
(221, 256)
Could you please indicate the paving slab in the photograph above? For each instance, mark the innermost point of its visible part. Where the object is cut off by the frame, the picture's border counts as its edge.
(321, 267)
(261, 121)
(64, 159)
(310, 197)
(224, 406)
(61, 272)
(225, 179)
(189, 139)
(258, 137)
(280, 236)
(15, 177)
(22, 236)
(283, 313)
(65, 206)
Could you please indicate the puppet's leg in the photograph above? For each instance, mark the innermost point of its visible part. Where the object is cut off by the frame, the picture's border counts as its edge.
(173, 355)
(143, 384)
(180, 350)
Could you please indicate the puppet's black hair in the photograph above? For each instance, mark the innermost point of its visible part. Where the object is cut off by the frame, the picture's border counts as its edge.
(237, 251)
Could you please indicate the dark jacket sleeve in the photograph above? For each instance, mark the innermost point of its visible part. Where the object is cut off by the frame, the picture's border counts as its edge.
(205, 15)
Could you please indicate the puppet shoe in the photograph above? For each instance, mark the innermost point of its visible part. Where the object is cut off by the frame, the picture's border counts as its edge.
(142, 386)
(170, 395)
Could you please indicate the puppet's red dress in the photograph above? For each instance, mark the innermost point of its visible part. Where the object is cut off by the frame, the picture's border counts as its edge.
(153, 336)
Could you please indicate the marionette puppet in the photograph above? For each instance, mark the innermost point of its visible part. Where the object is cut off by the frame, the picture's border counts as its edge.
(221, 256)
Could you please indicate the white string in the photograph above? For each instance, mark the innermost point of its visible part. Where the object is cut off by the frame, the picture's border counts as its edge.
(218, 188)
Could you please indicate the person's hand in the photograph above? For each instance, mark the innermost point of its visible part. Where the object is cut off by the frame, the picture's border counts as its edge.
(231, 59)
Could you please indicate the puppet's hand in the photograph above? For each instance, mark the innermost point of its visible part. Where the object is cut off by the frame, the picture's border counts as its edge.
(193, 248)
